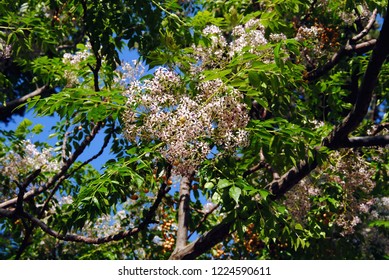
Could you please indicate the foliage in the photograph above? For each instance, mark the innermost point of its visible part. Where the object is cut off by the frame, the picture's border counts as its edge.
(261, 128)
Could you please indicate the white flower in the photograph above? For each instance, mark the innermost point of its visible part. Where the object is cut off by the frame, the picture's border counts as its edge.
(211, 30)
(29, 159)
(184, 122)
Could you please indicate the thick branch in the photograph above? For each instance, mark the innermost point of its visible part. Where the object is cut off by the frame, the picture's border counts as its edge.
(279, 187)
(7, 213)
(183, 213)
(203, 243)
(365, 141)
(10, 106)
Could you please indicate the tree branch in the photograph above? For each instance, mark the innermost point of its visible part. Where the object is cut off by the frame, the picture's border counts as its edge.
(365, 141)
(262, 164)
(203, 219)
(90, 240)
(183, 213)
(22, 190)
(203, 243)
(367, 28)
(10, 106)
(350, 48)
(56, 183)
(347, 50)
(7, 213)
(378, 128)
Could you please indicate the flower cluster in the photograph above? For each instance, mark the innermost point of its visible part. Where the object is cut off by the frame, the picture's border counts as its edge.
(249, 36)
(299, 201)
(16, 165)
(213, 55)
(208, 207)
(75, 59)
(352, 175)
(362, 13)
(323, 40)
(188, 124)
(106, 224)
(355, 176)
(246, 38)
(380, 208)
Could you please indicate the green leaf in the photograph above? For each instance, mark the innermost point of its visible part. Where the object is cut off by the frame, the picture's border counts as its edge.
(254, 79)
(223, 183)
(298, 226)
(22, 129)
(263, 193)
(277, 55)
(37, 129)
(138, 180)
(216, 198)
(235, 193)
(384, 224)
(212, 74)
(209, 185)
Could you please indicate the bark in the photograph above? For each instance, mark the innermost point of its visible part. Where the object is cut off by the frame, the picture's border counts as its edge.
(183, 214)
(366, 141)
(12, 105)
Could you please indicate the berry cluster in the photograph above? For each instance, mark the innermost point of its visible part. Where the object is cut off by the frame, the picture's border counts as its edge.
(252, 243)
(168, 230)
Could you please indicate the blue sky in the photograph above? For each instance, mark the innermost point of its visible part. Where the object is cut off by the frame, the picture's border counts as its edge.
(49, 122)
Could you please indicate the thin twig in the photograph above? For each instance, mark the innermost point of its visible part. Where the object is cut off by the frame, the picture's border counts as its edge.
(90, 240)
(65, 139)
(367, 28)
(203, 219)
(22, 189)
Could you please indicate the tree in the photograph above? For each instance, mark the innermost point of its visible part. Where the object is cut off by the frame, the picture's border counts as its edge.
(262, 132)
